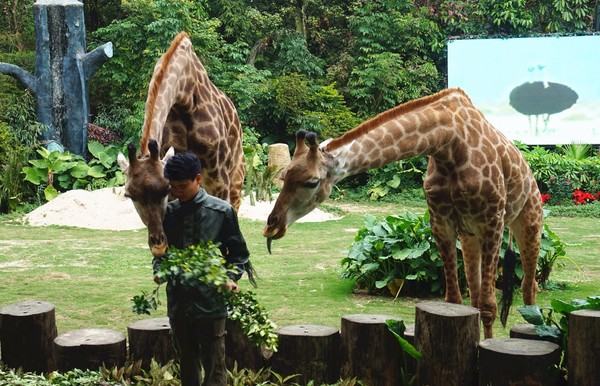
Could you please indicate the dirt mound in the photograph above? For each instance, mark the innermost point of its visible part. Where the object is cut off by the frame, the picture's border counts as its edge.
(109, 209)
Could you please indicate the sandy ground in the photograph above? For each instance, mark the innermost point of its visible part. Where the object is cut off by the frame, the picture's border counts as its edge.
(109, 209)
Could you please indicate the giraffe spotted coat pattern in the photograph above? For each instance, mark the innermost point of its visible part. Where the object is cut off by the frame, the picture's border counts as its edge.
(184, 111)
(477, 183)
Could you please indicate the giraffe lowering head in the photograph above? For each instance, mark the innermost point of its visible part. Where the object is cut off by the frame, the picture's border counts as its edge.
(147, 187)
(307, 183)
(477, 184)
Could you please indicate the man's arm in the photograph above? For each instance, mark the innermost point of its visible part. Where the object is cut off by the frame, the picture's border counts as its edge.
(233, 246)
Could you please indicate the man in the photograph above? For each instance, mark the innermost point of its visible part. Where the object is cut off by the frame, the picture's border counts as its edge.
(197, 315)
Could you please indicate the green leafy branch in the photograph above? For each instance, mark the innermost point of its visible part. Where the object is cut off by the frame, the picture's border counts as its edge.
(204, 264)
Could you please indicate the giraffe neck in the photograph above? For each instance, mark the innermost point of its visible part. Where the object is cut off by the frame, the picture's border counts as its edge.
(422, 127)
(177, 74)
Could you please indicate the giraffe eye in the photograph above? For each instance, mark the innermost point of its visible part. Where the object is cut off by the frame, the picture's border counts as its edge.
(311, 184)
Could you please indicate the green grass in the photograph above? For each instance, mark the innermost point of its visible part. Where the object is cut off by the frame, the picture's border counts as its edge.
(91, 275)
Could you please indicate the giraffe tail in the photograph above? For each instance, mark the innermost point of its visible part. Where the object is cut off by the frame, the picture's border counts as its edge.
(508, 281)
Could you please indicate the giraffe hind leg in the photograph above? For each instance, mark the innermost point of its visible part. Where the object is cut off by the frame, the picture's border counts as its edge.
(527, 229)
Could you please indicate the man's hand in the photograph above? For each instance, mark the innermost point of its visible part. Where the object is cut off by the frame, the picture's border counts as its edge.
(231, 286)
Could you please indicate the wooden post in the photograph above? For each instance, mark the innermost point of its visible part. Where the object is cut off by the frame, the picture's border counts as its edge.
(27, 330)
(584, 348)
(62, 70)
(90, 348)
(312, 351)
(240, 350)
(512, 361)
(369, 350)
(447, 335)
(527, 331)
(150, 338)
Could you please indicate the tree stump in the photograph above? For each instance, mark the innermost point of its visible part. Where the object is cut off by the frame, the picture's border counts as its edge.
(447, 335)
(527, 331)
(150, 338)
(239, 349)
(584, 348)
(312, 351)
(90, 348)
(369, 350)
(27, 330)
(518, 362)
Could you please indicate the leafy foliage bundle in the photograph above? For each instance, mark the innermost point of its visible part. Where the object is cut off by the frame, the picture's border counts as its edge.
(204, 264)
(399, 252)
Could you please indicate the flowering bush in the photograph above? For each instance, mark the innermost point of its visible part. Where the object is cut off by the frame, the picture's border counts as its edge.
(545, 197)
(581, 197)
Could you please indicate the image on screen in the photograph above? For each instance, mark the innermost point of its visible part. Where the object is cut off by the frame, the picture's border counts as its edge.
(537, 90)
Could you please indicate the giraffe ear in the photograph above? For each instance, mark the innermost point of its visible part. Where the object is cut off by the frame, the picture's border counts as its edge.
(122, 162)
(170, 153)
(300, 145)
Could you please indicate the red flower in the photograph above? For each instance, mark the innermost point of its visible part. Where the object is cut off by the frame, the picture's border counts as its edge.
(545, 197)
(581, 197)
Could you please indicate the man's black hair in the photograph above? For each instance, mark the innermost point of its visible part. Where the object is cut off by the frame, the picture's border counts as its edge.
(183, 166)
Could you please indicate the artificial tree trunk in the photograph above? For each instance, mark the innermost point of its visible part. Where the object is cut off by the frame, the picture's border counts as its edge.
(62, 70)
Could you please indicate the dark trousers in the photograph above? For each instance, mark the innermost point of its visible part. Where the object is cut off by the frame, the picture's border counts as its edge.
(200, 343)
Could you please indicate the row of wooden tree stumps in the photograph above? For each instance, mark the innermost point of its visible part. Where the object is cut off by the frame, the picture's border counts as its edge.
(448, 336)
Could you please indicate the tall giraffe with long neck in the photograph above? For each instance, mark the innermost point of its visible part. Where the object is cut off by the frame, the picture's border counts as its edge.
(184, 111)
(477, 183)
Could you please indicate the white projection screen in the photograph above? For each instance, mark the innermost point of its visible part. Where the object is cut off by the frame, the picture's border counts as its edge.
(537, 90)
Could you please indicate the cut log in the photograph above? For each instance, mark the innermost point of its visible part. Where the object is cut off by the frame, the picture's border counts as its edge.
(524, 331)
(150, 339)
(446, 334)
(312, 351)
(90, 348)
(27, 330)
(241, 351)
(369, 350)
(583, 361)
(512, 361)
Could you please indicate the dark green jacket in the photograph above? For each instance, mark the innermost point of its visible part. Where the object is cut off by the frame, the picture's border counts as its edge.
(204, 218)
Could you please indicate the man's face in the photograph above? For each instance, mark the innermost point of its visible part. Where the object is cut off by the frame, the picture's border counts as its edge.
(185, 190)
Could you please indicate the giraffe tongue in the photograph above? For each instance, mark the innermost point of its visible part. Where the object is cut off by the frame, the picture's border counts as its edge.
(269, 241)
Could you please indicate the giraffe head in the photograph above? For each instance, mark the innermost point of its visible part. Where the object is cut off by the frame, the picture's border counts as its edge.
(307, 182)
(147, 187)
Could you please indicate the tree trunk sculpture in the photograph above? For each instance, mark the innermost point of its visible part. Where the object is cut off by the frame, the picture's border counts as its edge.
(62, 70)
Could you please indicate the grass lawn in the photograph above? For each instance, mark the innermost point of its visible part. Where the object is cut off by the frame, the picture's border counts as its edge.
(91, 275)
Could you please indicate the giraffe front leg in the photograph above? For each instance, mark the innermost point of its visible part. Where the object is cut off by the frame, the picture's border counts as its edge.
(487, 298)
(471, 251)
(445, 238)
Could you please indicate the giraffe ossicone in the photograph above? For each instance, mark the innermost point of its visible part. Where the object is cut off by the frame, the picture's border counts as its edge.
(184, 111)
(477, 183)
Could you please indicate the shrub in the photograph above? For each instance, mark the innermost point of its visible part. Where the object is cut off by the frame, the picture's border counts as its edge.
(398, 247)
(399, 251)
(59, 172)
(396, 177)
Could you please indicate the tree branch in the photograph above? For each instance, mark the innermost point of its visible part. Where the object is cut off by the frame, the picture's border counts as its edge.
(28, 80)
(94, 59)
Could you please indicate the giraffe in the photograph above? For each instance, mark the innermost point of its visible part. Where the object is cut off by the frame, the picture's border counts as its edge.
(184, 111)
(477, 183)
